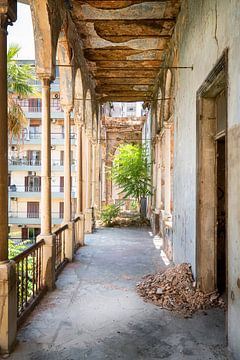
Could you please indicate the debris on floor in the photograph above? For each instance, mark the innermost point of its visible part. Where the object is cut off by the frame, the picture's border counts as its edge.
(175, 290)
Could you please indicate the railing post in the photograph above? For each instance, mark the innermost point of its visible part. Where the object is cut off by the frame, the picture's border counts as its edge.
(8, 300)
(49, 250)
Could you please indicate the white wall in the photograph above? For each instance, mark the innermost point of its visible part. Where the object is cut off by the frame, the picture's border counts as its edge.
(204, 29)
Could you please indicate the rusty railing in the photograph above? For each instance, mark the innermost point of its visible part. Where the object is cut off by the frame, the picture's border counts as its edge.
(60, 259)
(29, 275)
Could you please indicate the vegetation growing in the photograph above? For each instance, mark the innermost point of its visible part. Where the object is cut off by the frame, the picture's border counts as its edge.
(131, 172)
(19, 86)
(109, 213)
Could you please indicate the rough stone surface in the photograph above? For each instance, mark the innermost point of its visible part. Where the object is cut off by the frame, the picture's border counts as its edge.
(95, 312)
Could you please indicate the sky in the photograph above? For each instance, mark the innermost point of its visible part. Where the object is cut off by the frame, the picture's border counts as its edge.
(21, 33)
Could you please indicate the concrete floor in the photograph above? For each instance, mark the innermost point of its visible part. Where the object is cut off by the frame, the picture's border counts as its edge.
(95, 313)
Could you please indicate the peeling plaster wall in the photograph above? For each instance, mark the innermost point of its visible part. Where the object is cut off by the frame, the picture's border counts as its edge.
(204, 29)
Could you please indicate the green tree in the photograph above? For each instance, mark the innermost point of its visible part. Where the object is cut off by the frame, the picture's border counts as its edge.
(131, 172)
(19, 86)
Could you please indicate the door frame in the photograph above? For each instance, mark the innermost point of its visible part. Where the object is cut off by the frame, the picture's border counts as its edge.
(206, 200)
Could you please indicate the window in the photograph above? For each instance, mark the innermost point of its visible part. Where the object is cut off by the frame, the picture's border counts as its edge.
(33, 210)
(33, 183)
(61, 210)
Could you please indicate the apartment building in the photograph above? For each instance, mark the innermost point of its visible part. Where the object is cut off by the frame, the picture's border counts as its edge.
(25, 167)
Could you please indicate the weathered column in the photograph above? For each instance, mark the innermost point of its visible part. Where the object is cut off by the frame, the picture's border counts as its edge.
(97, 177)
(94, 146)
(159, 176)
(69, 245)
(79, 168)
(8, 302)
(4, 140)
(46, 213)
(84, 170)
(80, 182)
(88, 183)
(167, 158)
(67, 165)
(46, 222)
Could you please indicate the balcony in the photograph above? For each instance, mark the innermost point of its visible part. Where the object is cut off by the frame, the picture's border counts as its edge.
(24, 165)
(36, 139)
(26, 192)
(35, 165)
(31, 218)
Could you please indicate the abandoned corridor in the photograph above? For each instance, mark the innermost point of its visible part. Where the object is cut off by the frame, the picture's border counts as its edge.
(95, 313)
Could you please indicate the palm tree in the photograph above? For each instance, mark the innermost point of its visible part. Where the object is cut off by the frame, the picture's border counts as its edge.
(19, 86)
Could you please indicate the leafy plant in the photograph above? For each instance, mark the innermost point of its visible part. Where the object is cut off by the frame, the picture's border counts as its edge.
(109, 213)
(131, 171)
(14, 249)
(19, 86)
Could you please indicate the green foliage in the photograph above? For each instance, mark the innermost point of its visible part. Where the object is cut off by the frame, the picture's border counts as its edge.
(130, 171)
(19, 75)
(109, 213)
(14, 250)
(19, 85)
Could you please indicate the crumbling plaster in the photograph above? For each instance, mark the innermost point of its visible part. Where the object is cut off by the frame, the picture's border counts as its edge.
(206, 28)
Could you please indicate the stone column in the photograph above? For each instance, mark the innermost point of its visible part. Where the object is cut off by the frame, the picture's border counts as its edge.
(159, 176)
(88, 184)
(8, 301)
(4, 140)
(69, 245)
(97, 178)
(46, 213)
(79, 168)
(94, 146)
(167, 158)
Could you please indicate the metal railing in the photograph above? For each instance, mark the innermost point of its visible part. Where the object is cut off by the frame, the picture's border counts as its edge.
(38, 135)
(36, 188)
(29, 274)
(30, 214)
(26, 162)
(60, 258)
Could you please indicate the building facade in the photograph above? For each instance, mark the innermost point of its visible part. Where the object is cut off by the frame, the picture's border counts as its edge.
(25, 166)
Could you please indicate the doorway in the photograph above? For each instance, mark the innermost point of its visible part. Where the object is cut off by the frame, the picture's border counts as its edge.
(212, 181)
(221, 215)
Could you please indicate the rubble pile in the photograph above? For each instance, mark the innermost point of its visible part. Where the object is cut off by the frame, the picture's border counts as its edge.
(175, 290)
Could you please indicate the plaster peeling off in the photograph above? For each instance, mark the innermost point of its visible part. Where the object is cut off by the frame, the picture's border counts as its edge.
(140, 88)
(149, 55)
(151, 10)
(96, 41)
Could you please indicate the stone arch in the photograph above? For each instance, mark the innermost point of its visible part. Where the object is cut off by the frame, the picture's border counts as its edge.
(46, 26)
(65, 56)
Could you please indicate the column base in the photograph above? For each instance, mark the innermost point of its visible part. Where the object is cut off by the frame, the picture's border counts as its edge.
(88, 221)
(81, 229)
(8, 307)
(69, 242)
(49, 256)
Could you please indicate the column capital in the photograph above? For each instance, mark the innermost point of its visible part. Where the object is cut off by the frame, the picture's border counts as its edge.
(45, 79)
(67, 108)
(8, 13)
